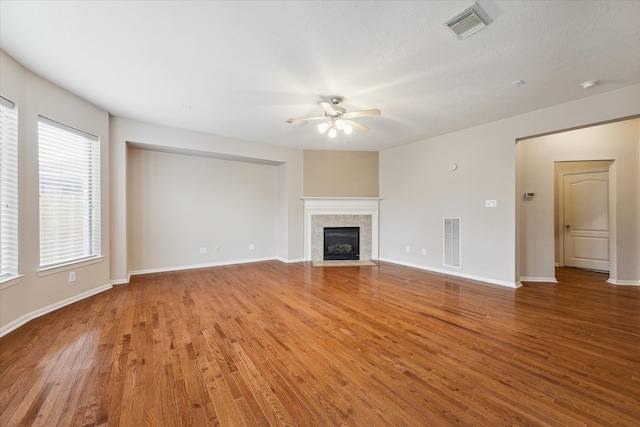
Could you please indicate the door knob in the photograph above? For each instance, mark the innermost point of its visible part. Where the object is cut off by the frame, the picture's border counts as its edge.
(567, 226)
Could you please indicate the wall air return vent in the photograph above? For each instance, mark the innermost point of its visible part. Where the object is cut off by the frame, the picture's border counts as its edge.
(468, 22)
(452, 250)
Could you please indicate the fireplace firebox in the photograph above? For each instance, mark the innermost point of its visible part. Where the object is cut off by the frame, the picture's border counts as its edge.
(341, 243)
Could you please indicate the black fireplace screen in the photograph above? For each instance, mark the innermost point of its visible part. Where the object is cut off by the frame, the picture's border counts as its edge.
(341, 243)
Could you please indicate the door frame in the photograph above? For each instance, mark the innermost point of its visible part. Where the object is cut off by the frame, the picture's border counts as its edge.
(560, 186)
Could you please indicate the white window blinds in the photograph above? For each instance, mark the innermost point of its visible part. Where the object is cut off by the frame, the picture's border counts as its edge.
(8, 190)
(69, 163)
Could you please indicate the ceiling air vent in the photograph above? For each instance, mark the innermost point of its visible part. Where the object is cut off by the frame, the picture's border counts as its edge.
(468, 22)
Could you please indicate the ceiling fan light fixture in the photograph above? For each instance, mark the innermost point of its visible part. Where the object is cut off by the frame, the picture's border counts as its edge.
(336, 118)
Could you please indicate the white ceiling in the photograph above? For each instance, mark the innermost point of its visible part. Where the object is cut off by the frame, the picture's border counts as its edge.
(242, 68)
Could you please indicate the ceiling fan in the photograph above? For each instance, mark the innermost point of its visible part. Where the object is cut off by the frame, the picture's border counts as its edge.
(336, 118)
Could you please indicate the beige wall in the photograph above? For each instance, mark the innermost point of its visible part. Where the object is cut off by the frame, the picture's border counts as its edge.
(558, 169)
(499, 245)
(37, 293)
(178, 204)
(340, 173)
(419, 189)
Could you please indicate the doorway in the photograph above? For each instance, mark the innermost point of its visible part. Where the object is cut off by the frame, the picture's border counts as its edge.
(582, 223)
(611, 146)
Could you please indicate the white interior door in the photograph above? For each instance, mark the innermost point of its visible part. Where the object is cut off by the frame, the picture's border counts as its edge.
(586, 220)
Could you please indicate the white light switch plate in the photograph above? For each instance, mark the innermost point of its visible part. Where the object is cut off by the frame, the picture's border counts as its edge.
(490, 203)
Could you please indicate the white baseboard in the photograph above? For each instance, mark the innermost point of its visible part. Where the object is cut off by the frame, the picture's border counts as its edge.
(290, 261)
(190, 267)
(194, 266)
(121, 281)
(539, 279)
(48, 309)
(624, 282)
(453, 273)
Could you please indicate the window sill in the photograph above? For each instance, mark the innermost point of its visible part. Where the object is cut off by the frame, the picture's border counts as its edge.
(69, 266)
(10, 281)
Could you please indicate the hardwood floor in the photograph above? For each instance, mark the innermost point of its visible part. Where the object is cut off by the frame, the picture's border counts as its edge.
(276, 344)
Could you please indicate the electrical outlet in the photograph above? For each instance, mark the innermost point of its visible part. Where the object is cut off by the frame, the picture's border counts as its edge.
(252, 247)
(490, 203)
(424, 252)
(407, 249)
(72, 276)
(203, 250)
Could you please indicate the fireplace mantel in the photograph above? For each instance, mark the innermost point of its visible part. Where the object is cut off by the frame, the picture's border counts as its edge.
(350, 207)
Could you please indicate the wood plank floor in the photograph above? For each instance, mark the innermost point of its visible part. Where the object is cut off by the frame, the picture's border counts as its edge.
(275, 344)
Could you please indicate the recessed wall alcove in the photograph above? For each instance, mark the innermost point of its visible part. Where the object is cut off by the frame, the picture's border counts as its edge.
(321, 212)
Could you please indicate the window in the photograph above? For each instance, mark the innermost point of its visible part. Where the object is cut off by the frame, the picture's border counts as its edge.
(8, 190)
(69, 162)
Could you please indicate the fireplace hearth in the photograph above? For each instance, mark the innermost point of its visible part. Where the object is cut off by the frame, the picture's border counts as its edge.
(341, 243)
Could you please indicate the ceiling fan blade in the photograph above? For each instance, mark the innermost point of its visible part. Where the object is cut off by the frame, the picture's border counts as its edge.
(355, 125)
(328, 108)
(304, 119)
(363, 113)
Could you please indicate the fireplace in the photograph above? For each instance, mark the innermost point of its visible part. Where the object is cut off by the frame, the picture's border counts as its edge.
(341, 243)
(321, 212)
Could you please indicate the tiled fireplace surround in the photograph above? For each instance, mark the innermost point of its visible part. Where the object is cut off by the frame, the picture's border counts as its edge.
(320, 212)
